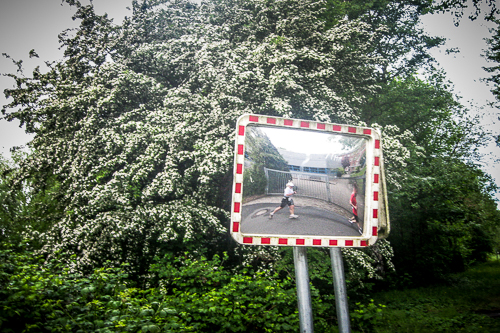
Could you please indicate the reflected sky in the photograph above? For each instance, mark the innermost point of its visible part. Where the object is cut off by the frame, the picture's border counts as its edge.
(307, 142)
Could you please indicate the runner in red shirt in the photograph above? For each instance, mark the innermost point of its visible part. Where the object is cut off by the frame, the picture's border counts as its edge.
(354, 205)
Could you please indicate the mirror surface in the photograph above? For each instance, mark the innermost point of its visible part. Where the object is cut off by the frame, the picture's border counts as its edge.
(328, 176)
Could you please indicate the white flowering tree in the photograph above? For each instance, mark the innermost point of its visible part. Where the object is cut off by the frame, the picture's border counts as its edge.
(134, 128)
(136, 123)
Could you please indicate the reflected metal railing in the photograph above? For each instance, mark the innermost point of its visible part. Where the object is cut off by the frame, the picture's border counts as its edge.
(325, 187)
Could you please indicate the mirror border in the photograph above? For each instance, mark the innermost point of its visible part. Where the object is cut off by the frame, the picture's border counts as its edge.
(376, 220)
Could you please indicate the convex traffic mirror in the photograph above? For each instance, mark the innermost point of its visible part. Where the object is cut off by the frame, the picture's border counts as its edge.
(305, 183)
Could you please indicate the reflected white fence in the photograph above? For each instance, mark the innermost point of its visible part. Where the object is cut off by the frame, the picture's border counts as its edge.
(318, 186)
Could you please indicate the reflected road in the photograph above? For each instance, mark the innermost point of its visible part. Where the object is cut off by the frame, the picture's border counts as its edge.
(312, 221)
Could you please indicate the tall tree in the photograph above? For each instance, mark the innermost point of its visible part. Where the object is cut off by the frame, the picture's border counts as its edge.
(441, 146)
(136, 123)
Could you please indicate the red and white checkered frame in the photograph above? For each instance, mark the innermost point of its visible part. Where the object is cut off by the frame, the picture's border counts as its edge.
(376, 215)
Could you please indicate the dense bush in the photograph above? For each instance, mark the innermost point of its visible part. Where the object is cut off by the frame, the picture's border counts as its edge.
(191, 296)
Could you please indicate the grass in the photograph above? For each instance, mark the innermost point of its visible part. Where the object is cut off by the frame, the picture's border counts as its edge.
(469, 302)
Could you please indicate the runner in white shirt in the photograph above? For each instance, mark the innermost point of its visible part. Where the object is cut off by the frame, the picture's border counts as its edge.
(287, 200)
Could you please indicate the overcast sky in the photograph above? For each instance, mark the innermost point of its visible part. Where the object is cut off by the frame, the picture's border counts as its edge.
(465, 70)
(35, 24)
(298, 140)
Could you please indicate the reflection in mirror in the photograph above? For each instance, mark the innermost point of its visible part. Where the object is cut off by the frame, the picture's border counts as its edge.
(300, 182)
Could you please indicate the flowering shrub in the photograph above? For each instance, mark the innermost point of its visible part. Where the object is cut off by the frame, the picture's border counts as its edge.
(136, 124)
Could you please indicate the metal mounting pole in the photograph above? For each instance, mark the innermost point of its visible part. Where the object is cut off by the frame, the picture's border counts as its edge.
(340, 289)
(303, 289)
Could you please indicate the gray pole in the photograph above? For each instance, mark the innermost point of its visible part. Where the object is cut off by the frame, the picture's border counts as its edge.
(340, 290)
(303, 289)
(329, 199)
(267, 180)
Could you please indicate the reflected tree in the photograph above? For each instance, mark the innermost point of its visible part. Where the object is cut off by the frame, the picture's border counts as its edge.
(260, 153)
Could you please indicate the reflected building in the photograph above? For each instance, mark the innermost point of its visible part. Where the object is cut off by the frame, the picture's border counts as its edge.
(326, 164)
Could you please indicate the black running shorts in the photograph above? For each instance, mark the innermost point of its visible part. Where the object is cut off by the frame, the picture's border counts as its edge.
(286, 201)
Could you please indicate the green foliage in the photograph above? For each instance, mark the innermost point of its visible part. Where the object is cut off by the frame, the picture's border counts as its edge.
(193, 296)
(441, 210)
(365, 317)
(413, 105)
(362, 269)
(400, 43)
(448, 215)
(218, 300)
(493, 54)
(25, 208)
(202, 296)
(255, 181)
(39, 296)
(458, 7)
(11, 202)
(261, 153)
(462, 304)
